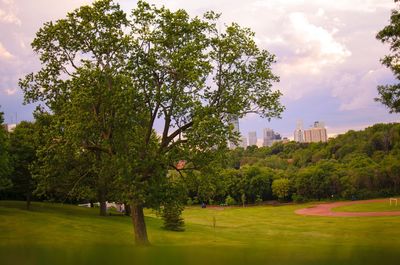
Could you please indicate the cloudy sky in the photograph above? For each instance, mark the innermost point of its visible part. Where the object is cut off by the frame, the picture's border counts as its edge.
(327, 55)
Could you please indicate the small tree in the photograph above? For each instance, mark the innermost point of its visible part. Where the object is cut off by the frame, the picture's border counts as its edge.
(173, 199)
(171, 214)
(5, 167)
(281, 188)
(243, 199)
(24, 144)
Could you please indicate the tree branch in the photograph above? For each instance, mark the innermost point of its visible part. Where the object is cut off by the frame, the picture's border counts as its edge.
(176, 133)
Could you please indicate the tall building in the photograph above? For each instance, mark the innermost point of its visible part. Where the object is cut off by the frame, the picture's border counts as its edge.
(234, 120)
(316, 134)
(252, 138)
(299, 132)
(270, 137)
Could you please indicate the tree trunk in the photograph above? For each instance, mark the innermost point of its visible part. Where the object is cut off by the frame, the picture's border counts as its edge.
(102, 200)
(127, 209)
(139, 226)
(103, 208)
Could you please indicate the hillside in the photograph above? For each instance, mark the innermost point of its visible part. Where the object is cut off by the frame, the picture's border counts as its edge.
(355, 165)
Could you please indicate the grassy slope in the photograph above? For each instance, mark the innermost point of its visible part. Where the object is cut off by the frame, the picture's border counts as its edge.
(63, 234)
(369, 207)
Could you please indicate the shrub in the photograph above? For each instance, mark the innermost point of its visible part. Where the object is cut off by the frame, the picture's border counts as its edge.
(230, 201)
(258, 199)
(298, 198)
(281, 188)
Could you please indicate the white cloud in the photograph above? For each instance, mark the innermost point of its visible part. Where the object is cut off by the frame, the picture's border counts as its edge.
(10, 91)
(320, 12)
(337, 5)
(8, 12)
(357, 92)
(314, 46)
(4, 53)
(10, 18)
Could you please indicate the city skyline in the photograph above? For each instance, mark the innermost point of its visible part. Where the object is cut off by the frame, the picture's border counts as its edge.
(327, 55)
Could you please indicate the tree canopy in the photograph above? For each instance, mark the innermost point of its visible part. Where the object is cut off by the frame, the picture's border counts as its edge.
(389, 95)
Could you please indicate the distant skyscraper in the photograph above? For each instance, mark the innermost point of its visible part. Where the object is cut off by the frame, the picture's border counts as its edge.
(252, 138)
(268, 137)
(234, 120)
(316, 134)
(299, 132)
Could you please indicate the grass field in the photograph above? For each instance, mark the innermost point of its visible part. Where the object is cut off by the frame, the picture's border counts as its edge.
(65, 234)
(369, 207)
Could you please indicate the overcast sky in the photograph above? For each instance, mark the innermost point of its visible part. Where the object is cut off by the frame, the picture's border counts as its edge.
(327, 55)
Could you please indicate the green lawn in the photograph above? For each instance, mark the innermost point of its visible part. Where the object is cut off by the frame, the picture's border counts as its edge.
(64, 234)
(369, 207)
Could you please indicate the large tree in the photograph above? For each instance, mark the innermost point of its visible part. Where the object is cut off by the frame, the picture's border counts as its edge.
(113, 83)
(193, 79)
(389, 95)
(84, 83)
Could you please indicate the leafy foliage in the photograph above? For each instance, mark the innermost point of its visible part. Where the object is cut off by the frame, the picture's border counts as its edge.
(5, 167)
(107, 79)
(390, 94)
(171, 214)
(361, 164)
(281, 188)
(24, 142)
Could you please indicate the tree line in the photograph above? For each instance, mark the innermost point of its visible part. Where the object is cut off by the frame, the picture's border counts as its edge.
(355, 165)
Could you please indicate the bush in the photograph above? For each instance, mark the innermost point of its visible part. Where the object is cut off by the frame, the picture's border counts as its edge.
(281, 188)
(298, 198)
(230, 201)
(258, 199)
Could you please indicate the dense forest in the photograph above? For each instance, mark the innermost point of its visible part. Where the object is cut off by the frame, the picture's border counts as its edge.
(354, 165)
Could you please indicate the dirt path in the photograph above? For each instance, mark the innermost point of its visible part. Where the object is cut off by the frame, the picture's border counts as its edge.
(326, 209)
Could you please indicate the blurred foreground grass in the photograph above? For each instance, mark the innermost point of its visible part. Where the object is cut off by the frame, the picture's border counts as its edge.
(65, 234)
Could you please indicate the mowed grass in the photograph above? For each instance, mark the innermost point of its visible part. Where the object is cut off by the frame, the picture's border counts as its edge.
(65, 234)
(369, 207)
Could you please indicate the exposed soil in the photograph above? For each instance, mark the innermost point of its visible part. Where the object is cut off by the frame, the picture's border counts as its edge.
(325, 209)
